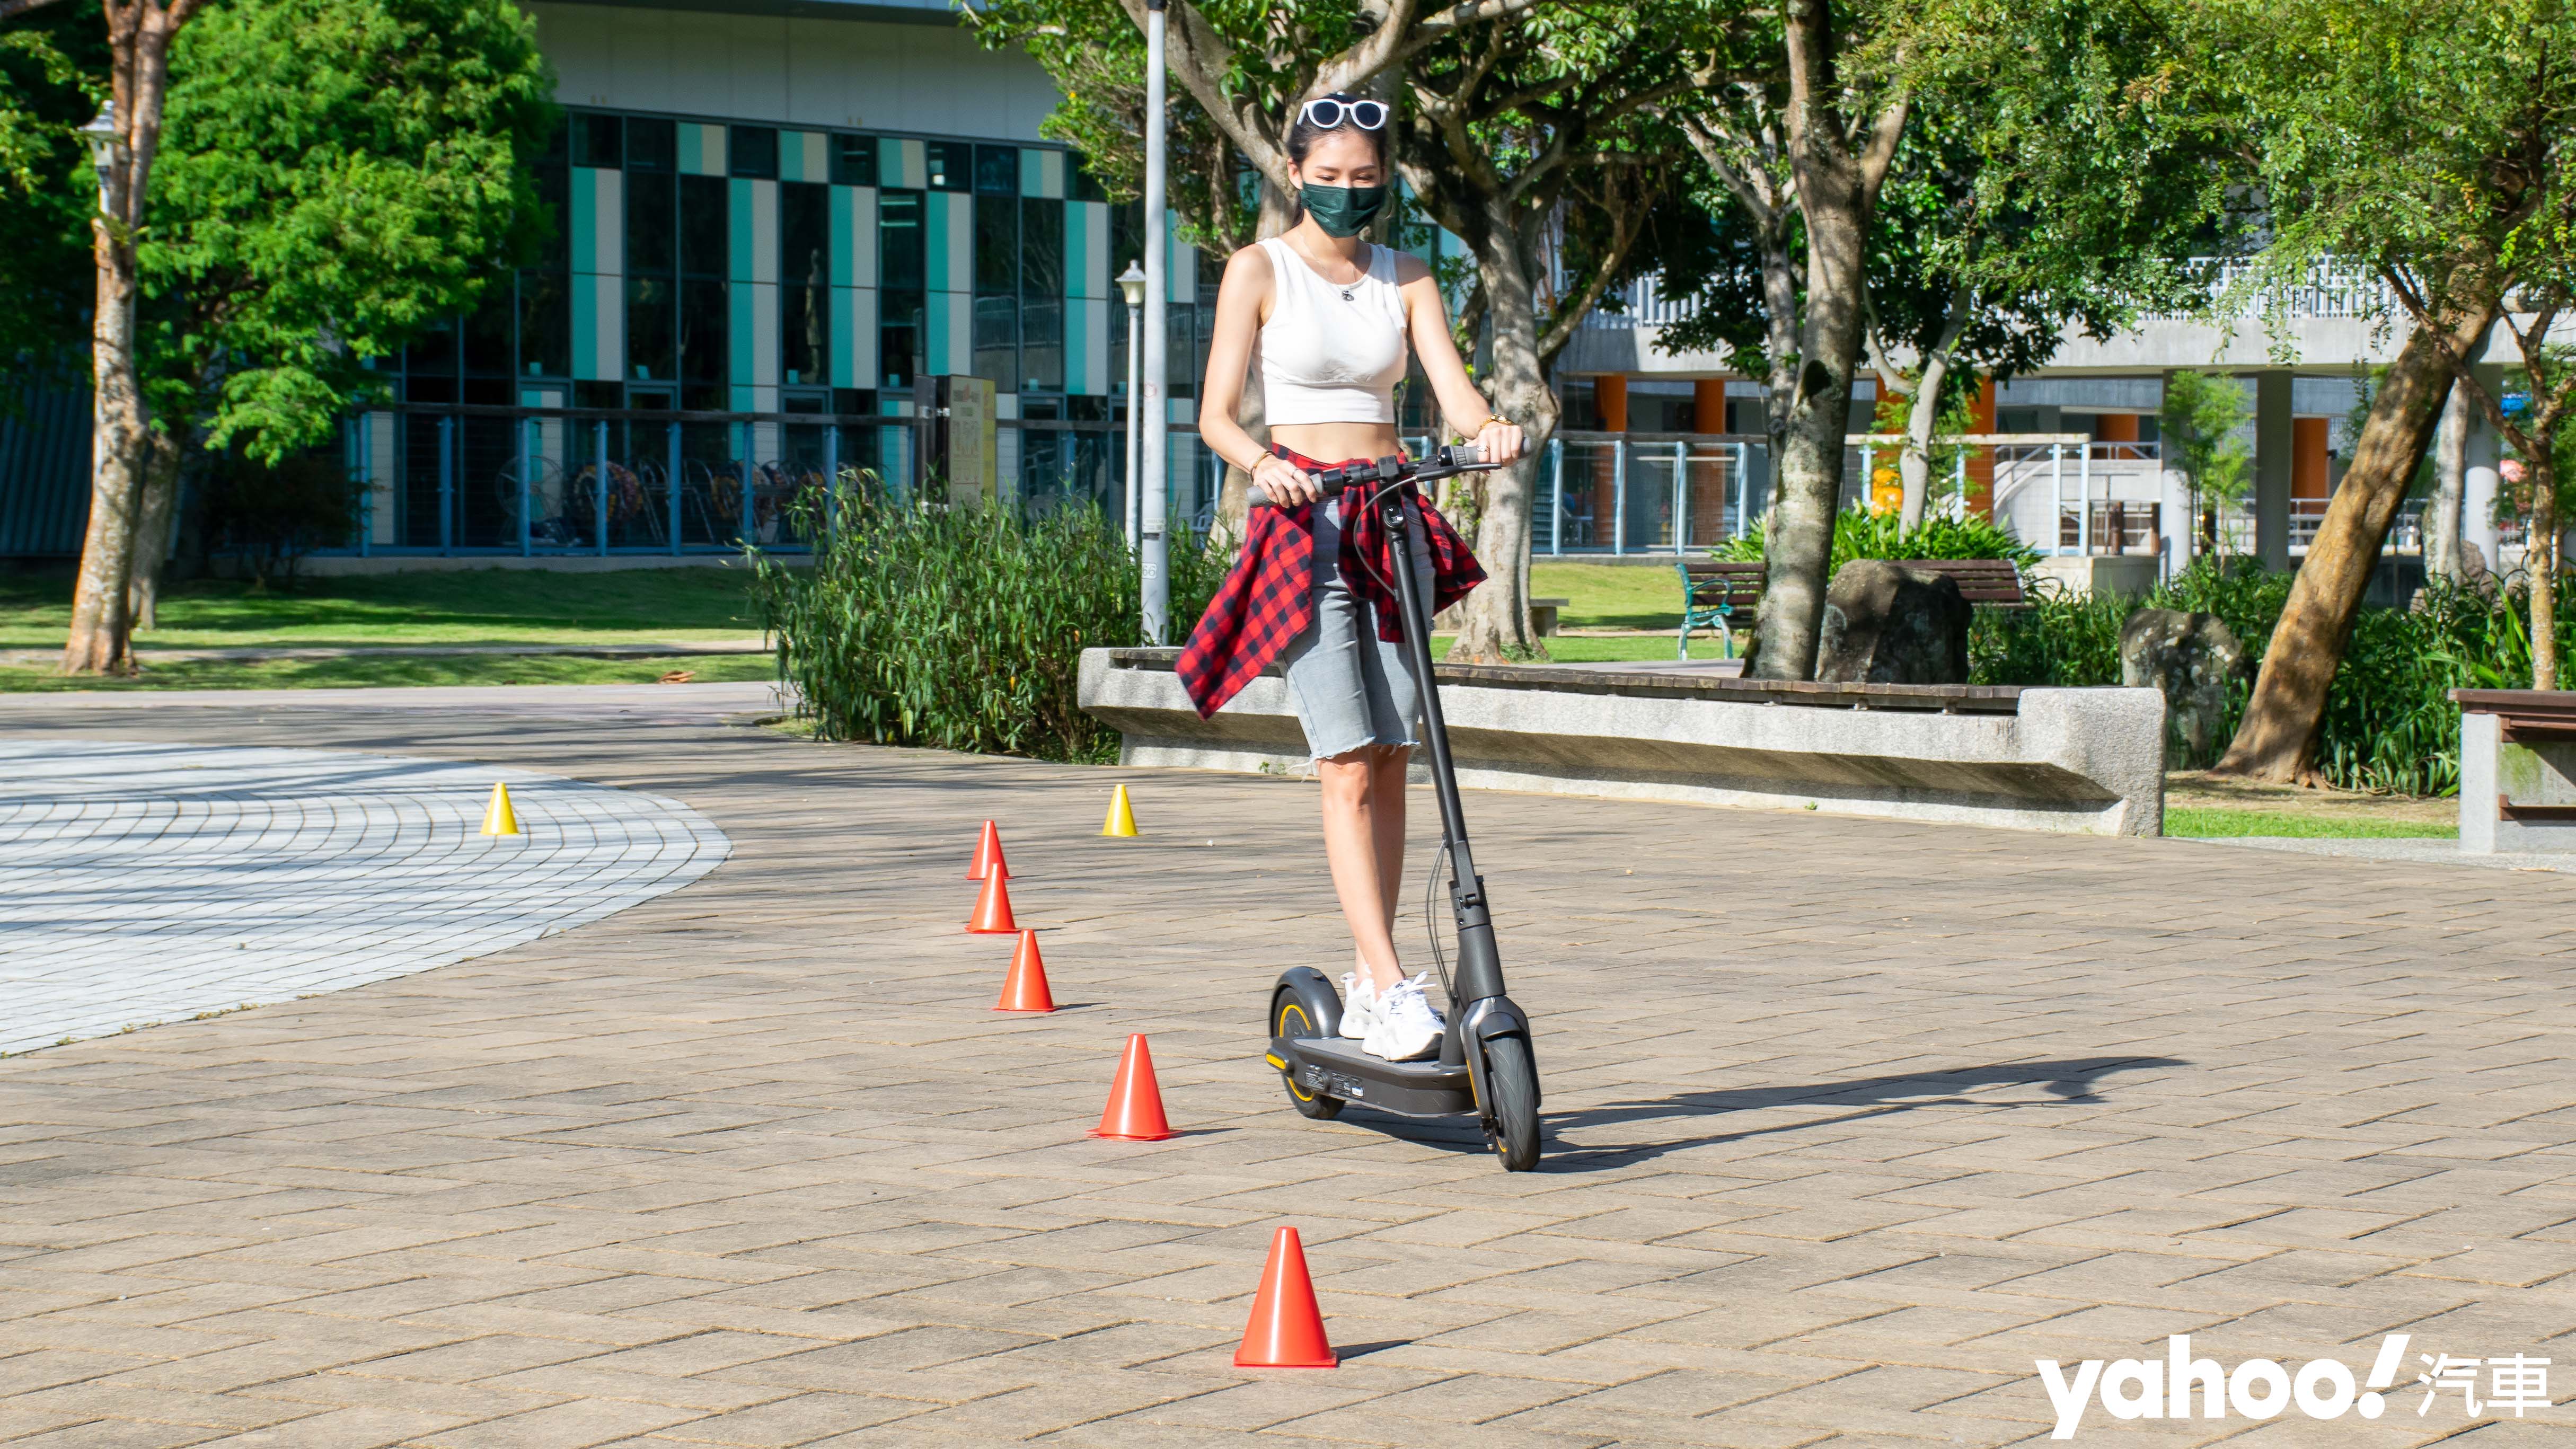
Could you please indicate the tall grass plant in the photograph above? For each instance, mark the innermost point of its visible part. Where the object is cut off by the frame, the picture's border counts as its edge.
(962, 628)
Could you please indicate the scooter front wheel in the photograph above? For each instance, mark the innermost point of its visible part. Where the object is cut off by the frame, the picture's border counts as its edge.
(1512, 1120)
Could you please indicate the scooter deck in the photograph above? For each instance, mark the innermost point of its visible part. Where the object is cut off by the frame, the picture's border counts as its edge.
(1336, 1067)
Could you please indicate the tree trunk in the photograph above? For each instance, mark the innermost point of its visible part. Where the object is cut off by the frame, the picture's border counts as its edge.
(1921, 421)
(2276, 742)
(1810, 471)
(1494, 624)
(1837, 192)
(101, 626)
(154, 524)
(2540, 561)
(2450, 481)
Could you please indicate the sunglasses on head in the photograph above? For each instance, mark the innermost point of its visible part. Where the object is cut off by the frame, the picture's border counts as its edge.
(1327, 113)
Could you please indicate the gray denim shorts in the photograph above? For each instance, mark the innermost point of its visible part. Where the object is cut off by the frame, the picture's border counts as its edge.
(1350, 687)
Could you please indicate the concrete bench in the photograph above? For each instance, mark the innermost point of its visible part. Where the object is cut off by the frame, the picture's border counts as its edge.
(2517, 770)
(2079, 760)
(1543, 615)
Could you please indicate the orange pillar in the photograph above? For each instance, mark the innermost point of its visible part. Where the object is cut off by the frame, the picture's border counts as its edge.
(2115, 427)
(1708, 405)
(2308, 471)
(1610, 395)
(1981, 461)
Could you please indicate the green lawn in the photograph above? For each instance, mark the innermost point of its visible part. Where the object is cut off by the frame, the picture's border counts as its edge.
(1610, 596)
(1567, 649)
(476, 606)
(363, 672)
(2203, 823)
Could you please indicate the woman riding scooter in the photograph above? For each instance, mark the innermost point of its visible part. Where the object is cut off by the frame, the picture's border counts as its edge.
(1327, 316)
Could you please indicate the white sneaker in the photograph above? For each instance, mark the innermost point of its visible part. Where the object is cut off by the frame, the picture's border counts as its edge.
(1408, 1026)
(1359, 1006)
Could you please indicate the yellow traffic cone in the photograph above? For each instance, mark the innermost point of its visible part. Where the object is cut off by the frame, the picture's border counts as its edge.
(500, 819)
(1122, 816)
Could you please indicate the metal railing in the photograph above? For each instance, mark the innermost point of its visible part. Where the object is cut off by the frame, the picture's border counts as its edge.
(2334, 287)
(1647, 493)
(469, 479)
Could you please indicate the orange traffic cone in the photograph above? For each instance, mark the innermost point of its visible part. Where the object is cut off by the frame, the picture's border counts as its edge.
(1135, 1111)
(1025, 989)
(992, 908)
(1287, 1328)
(988, 854)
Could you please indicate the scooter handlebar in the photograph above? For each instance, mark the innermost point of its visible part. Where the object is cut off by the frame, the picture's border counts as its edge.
(1443, 463)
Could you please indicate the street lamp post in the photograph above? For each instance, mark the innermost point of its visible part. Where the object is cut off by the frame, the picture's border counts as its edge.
(104, 144)
(1132, 283)
(1153, 550)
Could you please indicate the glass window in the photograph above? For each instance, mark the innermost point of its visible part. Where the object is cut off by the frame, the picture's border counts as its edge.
(997, 245)
(854, 402)
(753, 151)
(432, 354)
(899, 240)
(1079, 183)
(997, 171)
(804, 232)
(650, 244)
(1180, 351)
(1041, 248)
(997, 339)
(651, 145)
(1042, 343)
(948, 161)
(703, 225)
(652, 344)
(554, 193)
(854, 160)
(703, 315)
(805, 333)
(1126, 236)
(598, 141)
(599, 395)
(899, 337)
(488, 348)
(545, 325)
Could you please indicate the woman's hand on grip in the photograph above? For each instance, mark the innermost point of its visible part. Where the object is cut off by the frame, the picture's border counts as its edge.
(1284, 482)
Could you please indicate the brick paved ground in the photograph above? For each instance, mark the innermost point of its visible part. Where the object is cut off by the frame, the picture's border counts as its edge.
(1849, 1122)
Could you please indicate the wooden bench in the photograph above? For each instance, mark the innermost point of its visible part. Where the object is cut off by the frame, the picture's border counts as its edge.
(1714, 593)
(1722, 593)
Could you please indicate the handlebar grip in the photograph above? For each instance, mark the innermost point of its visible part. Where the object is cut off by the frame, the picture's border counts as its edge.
(1467, 453)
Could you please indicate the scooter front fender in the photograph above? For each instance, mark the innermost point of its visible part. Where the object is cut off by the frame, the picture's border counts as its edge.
(1482, 1021)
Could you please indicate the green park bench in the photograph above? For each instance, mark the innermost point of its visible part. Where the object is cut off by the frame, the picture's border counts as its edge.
(1723, 593)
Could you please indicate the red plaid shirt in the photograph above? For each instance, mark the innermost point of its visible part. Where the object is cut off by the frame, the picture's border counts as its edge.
(1268, 599)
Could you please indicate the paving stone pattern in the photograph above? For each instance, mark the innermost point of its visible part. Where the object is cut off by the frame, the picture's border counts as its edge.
(143, 883)
(1848, 1122)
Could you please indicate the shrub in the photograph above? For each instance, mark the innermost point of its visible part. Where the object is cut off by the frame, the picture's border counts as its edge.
(268, 516)
(1859, 533)
(962, 629)
(2389, 725)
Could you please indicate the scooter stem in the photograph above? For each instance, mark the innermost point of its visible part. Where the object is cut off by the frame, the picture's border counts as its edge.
(1480, 967)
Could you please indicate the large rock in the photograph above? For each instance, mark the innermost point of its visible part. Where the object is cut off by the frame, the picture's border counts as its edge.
(2190, 659)
(1889, 624)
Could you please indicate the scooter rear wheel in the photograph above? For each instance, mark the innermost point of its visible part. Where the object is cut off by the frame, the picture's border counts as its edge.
(1292, 1018)
(1513, 1125)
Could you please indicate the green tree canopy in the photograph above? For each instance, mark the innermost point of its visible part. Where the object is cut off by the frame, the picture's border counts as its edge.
(334, 176)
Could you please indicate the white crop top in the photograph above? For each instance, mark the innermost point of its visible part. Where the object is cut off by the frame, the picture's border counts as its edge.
(1329, 353)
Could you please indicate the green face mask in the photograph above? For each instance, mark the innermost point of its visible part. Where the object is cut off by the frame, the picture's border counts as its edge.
(1343, 210)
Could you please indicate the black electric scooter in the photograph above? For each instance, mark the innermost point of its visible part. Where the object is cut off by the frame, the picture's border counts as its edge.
(1485, 1064)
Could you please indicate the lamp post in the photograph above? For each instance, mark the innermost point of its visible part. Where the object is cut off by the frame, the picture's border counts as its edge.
(1132, 283)
(104, 146)
(1153, 550)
